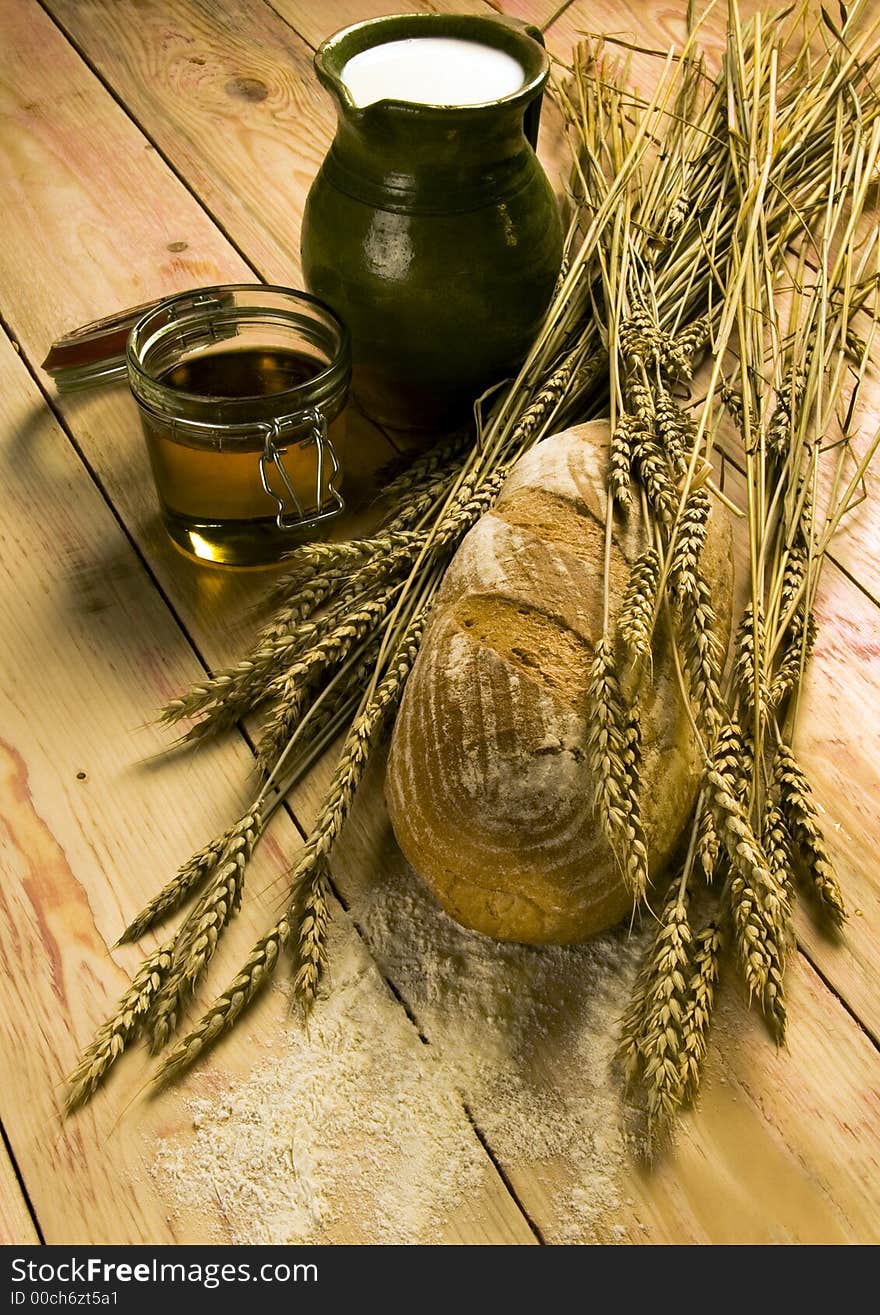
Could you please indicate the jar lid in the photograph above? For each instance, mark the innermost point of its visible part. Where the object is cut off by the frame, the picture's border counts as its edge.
(95, 353)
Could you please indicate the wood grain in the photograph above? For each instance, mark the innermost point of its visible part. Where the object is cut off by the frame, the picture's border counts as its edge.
(315, 23)
(227, 94)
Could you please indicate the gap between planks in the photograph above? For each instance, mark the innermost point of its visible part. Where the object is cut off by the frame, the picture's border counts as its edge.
(16, 1206)
(472, 1119)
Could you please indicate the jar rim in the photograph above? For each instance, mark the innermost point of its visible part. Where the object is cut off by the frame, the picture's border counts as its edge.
(201, 301)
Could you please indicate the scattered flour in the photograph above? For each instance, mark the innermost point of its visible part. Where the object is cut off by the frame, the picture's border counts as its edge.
(355, 1120)
(348, 1121)
(528, 1036)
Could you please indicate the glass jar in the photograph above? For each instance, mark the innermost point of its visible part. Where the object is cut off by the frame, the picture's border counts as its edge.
(242, 392)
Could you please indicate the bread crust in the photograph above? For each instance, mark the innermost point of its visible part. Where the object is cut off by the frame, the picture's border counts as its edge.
(488, 784)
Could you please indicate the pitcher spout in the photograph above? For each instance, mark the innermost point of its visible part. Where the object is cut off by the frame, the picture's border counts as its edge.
(434, 66)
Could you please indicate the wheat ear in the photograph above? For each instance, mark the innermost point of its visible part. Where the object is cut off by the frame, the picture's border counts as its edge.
(636, 616)
(615, 791)
(197, 939)
(253, 975)
(802, 819)
(312, 943)
(188, 879)
(685, 565)
(113, 1037)
(653, 1039)
(699, 1003)
(758, 901)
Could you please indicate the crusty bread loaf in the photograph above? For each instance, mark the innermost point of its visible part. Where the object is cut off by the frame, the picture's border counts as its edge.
(488, 784)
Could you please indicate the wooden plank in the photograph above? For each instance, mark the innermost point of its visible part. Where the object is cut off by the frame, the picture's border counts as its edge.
(16, 1225)
(315, 23)
(88, 824)
(784, 1146)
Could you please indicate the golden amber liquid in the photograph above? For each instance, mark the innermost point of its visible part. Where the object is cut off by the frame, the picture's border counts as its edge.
(213, 501)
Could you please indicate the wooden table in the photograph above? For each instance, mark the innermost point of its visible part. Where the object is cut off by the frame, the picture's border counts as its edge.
(155, 145)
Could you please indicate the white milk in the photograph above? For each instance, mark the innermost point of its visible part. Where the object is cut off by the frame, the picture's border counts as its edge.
(432, 71)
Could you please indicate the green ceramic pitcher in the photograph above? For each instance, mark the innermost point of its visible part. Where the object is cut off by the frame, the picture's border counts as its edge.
(431, 228)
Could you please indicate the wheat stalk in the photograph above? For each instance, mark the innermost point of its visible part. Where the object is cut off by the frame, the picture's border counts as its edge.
(620, 461)
(702, 654)
(708, 845)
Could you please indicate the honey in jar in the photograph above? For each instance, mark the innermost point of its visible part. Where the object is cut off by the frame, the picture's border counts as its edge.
(242, 393)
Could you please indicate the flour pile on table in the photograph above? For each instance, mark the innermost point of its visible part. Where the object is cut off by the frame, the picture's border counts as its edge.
(340, 1122)
(344, 1123)
(527, 1034)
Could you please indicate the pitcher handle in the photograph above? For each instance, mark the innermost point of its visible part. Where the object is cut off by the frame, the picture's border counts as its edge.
(532, 117)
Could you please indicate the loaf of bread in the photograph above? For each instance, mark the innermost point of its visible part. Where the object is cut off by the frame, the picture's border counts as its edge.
(488, 785)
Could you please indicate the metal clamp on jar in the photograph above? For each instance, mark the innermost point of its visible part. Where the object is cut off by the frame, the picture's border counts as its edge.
(241, 390)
